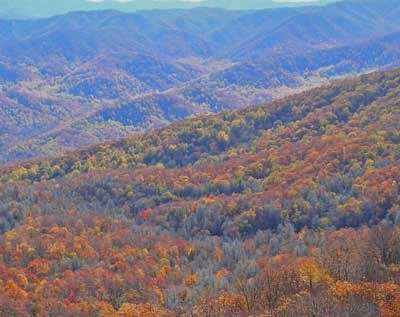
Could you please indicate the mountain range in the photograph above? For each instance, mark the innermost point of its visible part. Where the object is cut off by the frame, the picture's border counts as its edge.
(46, 8)
(200, 162)
(84, 77)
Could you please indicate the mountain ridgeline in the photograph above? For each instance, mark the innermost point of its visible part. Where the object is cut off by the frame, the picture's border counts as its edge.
(44, 8)
(340, 135)
(84, 77)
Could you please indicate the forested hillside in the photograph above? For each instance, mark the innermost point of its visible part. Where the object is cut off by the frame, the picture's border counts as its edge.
(285, 209)
(84, 77)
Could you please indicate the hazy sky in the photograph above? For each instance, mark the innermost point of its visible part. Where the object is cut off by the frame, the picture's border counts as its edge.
(41, 8)
(284, 1)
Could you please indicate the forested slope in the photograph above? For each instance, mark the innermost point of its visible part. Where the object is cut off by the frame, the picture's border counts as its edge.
(284, 209)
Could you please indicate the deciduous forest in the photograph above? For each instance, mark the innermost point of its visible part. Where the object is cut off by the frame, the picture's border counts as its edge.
(291, 208)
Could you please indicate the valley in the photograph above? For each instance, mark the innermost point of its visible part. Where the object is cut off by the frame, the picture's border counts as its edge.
(110, 80)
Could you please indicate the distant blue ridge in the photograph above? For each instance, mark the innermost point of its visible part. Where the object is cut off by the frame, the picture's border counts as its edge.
(46, 8)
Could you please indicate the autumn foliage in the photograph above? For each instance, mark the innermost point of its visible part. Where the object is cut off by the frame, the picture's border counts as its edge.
(285, 209)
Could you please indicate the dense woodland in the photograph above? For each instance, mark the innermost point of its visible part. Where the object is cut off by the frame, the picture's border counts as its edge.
(286, 209)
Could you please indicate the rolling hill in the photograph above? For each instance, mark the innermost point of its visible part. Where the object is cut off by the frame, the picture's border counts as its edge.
(207, 216)
(85, 77)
